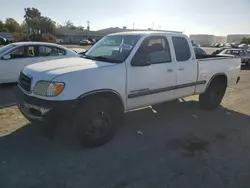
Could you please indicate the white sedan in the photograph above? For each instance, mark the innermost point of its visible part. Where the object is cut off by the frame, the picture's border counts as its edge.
(15, 56)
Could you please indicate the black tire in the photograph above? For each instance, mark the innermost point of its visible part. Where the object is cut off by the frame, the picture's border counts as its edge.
(248, 64)
(96, 122)
(213, 96)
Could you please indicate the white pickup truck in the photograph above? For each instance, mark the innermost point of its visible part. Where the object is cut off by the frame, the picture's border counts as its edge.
(121, 72)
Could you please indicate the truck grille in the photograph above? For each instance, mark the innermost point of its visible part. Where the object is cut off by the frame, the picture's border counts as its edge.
(24, 82)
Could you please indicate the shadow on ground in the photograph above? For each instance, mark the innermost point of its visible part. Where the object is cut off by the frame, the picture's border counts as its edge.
(170, 145)
(7, 95)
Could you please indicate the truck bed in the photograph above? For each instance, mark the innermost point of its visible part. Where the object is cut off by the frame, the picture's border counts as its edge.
(211, 65)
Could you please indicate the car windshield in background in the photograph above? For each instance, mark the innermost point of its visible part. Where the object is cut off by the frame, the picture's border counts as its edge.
(231, 52)
(6, 48)
(113, 48)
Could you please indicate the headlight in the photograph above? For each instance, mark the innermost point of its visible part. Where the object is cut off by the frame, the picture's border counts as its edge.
(49, 89)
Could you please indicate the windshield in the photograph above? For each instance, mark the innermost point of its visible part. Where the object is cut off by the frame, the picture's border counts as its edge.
(113, 48)
(6, 48)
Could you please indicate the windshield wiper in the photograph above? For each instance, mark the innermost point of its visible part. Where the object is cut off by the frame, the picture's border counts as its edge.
(102, 58)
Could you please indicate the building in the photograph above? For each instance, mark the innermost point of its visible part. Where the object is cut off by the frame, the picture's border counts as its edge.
(206, 40)
(203, 40)
(220, 39)
(236, 38)
(74, 36)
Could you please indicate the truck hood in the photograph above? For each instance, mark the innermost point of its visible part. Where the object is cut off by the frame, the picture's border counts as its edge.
(50, 69)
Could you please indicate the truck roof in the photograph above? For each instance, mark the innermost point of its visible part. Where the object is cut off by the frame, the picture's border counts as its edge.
(143, 33)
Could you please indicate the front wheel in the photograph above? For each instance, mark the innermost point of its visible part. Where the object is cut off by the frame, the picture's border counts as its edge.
(213, 96)
(96, 122)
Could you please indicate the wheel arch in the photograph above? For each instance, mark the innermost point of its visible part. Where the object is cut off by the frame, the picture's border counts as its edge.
(221, 76)
(104, 93)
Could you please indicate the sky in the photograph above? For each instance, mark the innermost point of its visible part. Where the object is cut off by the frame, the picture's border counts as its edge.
(218, 17)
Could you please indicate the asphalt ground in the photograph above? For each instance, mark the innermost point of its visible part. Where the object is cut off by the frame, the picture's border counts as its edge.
(176, 144)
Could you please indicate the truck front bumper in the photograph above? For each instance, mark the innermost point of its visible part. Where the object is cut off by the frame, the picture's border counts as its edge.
(38, 109)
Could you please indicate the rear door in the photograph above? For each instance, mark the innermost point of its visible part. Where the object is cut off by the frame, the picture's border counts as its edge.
(186, 66)
(46, 53)
(19, 58)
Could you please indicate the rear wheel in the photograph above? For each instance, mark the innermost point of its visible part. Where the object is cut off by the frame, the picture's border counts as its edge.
(96, 122)
(213, 96)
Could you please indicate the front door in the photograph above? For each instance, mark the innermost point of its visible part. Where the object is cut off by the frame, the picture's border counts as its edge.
(153, 83)
(18, 59)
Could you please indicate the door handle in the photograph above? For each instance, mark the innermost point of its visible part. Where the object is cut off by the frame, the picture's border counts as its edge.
(170, 70)
(181, 68)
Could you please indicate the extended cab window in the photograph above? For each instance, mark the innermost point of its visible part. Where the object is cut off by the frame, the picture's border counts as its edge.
(181, 48)
(51, 51)
(156, 48)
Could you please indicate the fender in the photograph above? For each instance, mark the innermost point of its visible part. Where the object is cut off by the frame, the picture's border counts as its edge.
(218, 74)
(102, 91)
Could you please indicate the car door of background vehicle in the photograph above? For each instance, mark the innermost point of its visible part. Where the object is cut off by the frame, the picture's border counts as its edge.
(154, 83)
(19, 58)
(46, 53)
(186, 67)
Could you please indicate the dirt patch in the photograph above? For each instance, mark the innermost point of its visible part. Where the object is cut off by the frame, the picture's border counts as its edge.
(11, 120)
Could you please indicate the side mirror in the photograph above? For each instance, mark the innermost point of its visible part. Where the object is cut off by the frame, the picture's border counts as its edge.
(141, 61)
(6, 57)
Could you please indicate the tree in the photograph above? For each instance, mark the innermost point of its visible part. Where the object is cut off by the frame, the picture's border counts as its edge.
(23, 27)
(31, 14)
(1, 25)
(32, 17)
(58, 25)
(80, 28)
(47, 25)
(38, 24)
(12, 25)
(5, 30)
(245, 40)
(70, 24)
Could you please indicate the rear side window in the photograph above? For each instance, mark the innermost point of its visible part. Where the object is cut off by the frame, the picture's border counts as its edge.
(51, 51)
(181, 48)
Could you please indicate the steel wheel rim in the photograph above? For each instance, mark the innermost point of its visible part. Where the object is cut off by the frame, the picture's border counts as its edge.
(98, 124)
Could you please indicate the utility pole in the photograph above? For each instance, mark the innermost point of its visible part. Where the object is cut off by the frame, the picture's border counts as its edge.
(88, 27)
(153, 25)
(133, 25)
